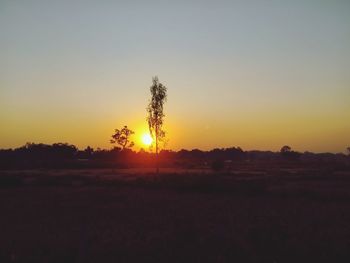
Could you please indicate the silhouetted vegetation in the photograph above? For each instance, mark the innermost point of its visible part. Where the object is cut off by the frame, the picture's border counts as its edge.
(156, 115)
(122, 137)
(64, 155)
(286, 149)
(286, 152)
(293, 215)
(222, 205)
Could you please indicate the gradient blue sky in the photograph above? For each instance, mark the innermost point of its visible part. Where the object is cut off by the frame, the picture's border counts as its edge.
(255, 74)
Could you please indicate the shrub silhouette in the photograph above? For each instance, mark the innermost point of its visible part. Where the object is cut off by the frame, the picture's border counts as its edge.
(122, 137)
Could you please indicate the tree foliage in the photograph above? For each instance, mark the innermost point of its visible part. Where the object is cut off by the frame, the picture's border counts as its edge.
(122, 137)
(288, 153)
(155, 112)
(286, 149)
(156, 115)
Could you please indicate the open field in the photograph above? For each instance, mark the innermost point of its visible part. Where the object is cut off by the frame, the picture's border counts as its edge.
(281, 215)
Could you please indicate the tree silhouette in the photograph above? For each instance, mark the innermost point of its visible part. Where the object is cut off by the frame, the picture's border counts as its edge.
(89, 151)
(286, 152)
(156, 115)
(286, 149)
(122, 137)
(348, 149)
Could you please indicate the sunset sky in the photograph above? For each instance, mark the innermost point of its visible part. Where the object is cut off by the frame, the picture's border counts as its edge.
(255, 74)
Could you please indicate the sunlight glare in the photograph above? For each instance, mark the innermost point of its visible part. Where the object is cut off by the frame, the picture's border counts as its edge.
(147, 139)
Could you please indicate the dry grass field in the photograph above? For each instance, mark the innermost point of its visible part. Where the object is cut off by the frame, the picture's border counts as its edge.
(179, 216)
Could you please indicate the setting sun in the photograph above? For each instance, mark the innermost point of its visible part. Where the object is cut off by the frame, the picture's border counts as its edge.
(147, 139)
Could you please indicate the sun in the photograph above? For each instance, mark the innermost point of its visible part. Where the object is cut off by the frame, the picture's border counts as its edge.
(147, 139)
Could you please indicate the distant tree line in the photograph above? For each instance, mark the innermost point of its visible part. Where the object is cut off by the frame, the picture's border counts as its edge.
(64, 155)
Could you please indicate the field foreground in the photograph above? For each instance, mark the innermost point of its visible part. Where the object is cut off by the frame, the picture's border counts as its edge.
(179, 216)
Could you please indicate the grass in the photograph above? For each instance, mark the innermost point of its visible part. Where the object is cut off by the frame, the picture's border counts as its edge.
(179, 216)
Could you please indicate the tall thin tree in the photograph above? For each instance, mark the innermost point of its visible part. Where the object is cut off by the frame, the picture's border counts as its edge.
(156, 115)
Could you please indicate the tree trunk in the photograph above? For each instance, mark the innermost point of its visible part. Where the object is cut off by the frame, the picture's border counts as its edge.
(157, 163)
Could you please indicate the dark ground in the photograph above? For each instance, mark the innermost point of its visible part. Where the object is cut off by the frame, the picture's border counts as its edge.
(119, 216)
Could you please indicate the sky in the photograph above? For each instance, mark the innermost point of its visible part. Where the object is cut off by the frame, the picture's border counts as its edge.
(255, 74)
